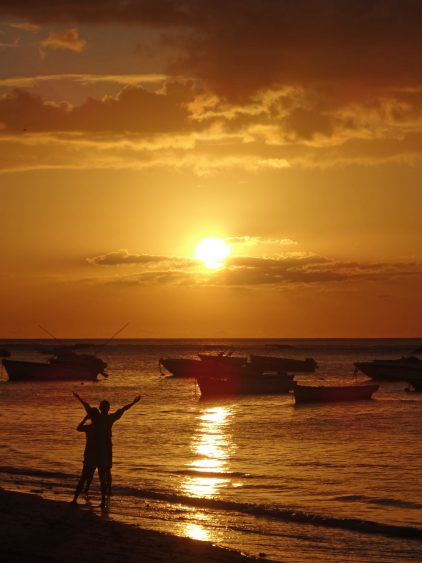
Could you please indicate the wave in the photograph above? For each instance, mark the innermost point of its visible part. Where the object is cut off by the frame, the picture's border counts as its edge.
(381, 501)
(285, 514)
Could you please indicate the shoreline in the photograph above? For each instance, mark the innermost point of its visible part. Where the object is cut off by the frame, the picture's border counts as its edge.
(34, 529)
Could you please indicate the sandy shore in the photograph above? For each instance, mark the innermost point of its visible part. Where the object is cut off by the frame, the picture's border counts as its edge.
(35, 530)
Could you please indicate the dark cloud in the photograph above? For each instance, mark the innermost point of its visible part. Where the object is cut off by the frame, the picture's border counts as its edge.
(240, 46)
(133, 109)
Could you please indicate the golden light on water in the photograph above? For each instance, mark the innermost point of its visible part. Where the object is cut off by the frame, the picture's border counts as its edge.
(212, 252)
(211, 444)
(196, 532)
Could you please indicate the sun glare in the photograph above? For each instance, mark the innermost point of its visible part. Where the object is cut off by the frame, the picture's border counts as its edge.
(212, 252)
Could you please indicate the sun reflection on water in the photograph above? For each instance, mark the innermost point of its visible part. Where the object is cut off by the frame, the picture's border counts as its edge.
(197, 532)
(212, 446)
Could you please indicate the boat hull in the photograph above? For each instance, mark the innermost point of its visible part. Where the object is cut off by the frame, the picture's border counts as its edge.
(214, 386)
(181, 367)
(273, 363)
(394, 370)
(36, 371)
(333, 394)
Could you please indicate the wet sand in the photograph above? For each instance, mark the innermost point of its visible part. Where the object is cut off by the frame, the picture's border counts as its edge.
(35, 530)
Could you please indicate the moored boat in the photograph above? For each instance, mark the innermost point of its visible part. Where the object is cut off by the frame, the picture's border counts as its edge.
(275, 363)
(65, 366)
(180, 367)
(332, 394)
(248, 383)
(400, 369)
(223, 360)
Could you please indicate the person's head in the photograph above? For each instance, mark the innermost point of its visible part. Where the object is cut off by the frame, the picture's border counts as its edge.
(104, 407)
(93, 413)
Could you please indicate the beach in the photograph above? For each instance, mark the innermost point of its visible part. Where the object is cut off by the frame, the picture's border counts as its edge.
(35, 529)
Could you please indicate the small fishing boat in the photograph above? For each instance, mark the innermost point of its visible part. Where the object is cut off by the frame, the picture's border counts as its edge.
(333, 394)
(275, 363)
(248, 383)
(400, 369)
(180, 367)
(65, 365)
(223, 360)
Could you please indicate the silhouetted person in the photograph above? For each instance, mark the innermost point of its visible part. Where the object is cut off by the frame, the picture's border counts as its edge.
(104, 437)
(92, 451)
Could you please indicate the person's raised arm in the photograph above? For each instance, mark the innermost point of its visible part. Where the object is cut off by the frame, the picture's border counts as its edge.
(125, 408)
(84, 403)
(128, 406)
(81, 425)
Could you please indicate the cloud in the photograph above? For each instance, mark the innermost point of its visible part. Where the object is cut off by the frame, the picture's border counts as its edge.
(179, 124)
(84, 79)
(253, 241)
(11, 45)
(67, 41)
(254, 271)
(133, 109)
(123, 257)
(239, 48)
(25, 26)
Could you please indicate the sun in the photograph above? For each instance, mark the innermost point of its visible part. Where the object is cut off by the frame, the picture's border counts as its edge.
(212, 252)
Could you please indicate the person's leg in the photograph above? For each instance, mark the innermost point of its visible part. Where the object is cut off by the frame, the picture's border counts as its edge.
(102, 473)
(89, 477)
(109, 481)
(80, 485)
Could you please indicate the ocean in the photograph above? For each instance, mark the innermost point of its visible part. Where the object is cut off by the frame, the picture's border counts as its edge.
(325, 482)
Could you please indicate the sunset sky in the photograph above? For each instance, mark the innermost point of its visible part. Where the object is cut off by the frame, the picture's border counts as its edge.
(131, 130)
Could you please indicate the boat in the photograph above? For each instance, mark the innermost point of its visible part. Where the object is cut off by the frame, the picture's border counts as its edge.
(400, 369)
(206, 365)
(180, 367)
(333, 394)
(250, 384)
(65, 365)
(223, 360)
(275, 363)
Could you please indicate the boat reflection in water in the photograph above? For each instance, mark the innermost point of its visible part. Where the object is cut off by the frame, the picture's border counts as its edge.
(212, 447)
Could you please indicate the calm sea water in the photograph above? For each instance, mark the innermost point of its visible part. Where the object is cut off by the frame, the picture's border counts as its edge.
(339, 482)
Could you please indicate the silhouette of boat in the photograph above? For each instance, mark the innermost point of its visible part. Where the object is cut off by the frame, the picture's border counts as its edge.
(333, 394)
(65, 365)
(207, 363)
(180, 367)
(223, 359)
(396, 370)
(275, 363)
(244, 382)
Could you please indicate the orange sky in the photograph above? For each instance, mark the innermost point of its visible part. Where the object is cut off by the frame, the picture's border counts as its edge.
(130, 131)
